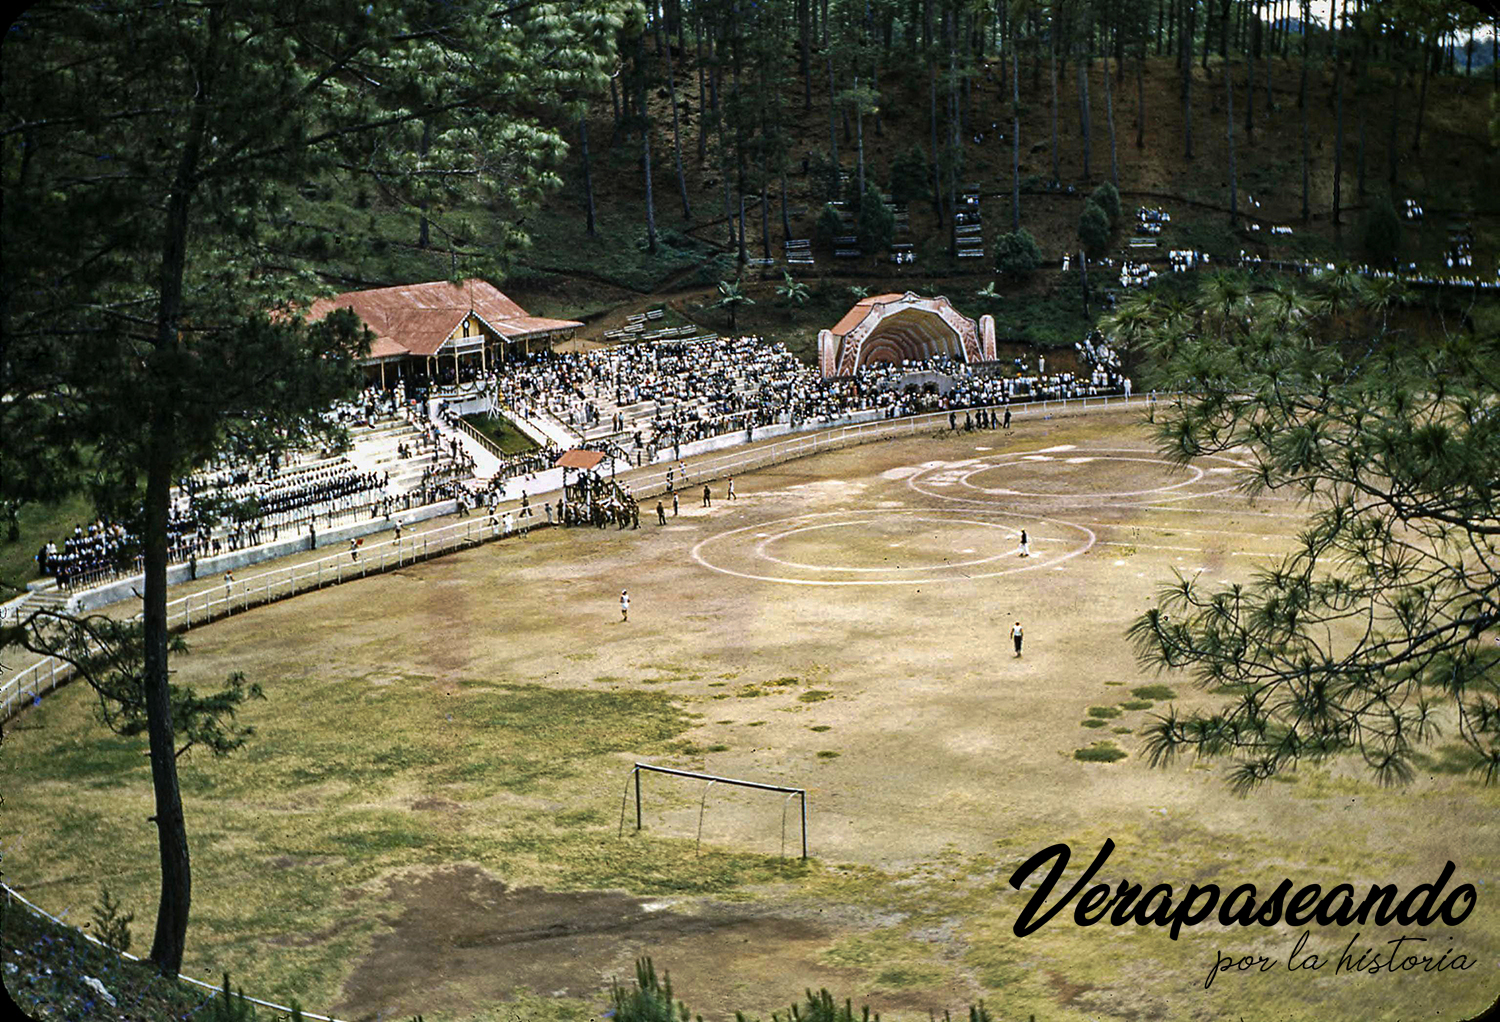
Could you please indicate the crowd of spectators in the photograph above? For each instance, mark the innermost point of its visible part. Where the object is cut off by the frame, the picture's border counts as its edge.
(90, 554)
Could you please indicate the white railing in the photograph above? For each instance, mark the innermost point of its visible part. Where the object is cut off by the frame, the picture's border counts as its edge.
(10, 892)
(240, 595)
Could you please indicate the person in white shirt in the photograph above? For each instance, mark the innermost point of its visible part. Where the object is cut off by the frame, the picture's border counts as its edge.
(1015, 637)
(624, 605)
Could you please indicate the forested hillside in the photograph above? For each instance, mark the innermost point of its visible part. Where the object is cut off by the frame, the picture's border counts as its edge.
(730, 123)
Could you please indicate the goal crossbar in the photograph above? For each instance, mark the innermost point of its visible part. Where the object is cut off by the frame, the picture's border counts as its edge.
(712, 779)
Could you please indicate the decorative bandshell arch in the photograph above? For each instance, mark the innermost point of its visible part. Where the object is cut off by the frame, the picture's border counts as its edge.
(892, 327)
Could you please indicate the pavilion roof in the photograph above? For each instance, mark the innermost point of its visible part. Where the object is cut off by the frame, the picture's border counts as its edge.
(416, 319)
(578, 457)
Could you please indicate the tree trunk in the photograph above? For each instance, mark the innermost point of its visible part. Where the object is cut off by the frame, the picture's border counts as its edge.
(646, 153)
(954, 148)
(171, 829)
(1234, 185)
(804, 30)
(687, 209)
(1083, 272)
(937, 174)
(1052, 38)
(1140, 99)
(1083, 117)
(833, 130)
(1109, 109)
(1302, 104)
(744, 254)
(1416, 140)
(765, 215)
(588, 176)
(859, 121)
(1250, 86)
(1397, 80)
(650, 199)
(1338, 142)
(1015, 139)
(786, 222)
(1187, 86)
(176, 872)
(702, 105)
(423, 236)
(1267, 47)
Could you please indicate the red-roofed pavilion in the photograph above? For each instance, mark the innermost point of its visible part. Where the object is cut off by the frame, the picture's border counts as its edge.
(420, 327)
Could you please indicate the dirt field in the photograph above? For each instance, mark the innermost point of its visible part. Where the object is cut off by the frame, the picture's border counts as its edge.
(427, 819)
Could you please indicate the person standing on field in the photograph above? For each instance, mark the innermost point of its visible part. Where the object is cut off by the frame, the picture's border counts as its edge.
(661, 514)
(731, 488)
(1016, 636)
(674, 505)
(1025, 544)
(625, 611)
(708, 497)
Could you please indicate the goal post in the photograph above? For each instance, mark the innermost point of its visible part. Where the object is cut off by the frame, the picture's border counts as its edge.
(711, 779)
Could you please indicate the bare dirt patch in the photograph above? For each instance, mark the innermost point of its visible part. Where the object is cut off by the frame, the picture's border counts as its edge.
(458, 936)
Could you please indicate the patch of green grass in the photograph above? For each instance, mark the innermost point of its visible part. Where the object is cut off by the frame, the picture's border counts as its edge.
(718, 748)
(1114, 683)
(503, 432)
(756, 723)
(1452, 758)
(1154, 692)
(1121, 730)
(750, 691)
(38, 523)
(1137, 704)
(901, 976)
(1104, 712)
(820, 728)
(828, 754)
(1092, 722)
(783, 682)
(814, 695)
(1100, 752)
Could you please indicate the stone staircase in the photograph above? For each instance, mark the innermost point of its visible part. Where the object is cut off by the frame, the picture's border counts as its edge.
(374, 450)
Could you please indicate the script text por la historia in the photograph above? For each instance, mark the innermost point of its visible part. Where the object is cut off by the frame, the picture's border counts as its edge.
(1403, 954)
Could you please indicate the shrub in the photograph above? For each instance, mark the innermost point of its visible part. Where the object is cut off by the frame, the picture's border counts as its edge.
(877, 224)
(830, 225)
(825, 175)
(1017, 255)
(112, 928)
(1107, 197)
(1381, 233)
(1100, 752)
(911, 176)
(230, 1007)
(1157, 692)
(1093, 229)
(650, 1001)
(1105, 712)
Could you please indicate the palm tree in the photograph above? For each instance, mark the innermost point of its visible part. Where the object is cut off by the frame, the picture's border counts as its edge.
(792, 290)
(988, 293)
(731, 298)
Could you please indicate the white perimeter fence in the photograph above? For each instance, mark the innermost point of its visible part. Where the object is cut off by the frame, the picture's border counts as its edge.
(26, 686)
(240, 595)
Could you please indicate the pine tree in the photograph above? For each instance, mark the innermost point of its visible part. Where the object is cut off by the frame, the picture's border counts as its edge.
(168, 323)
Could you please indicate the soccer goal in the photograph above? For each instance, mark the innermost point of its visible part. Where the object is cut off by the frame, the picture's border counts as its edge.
(710, 780)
